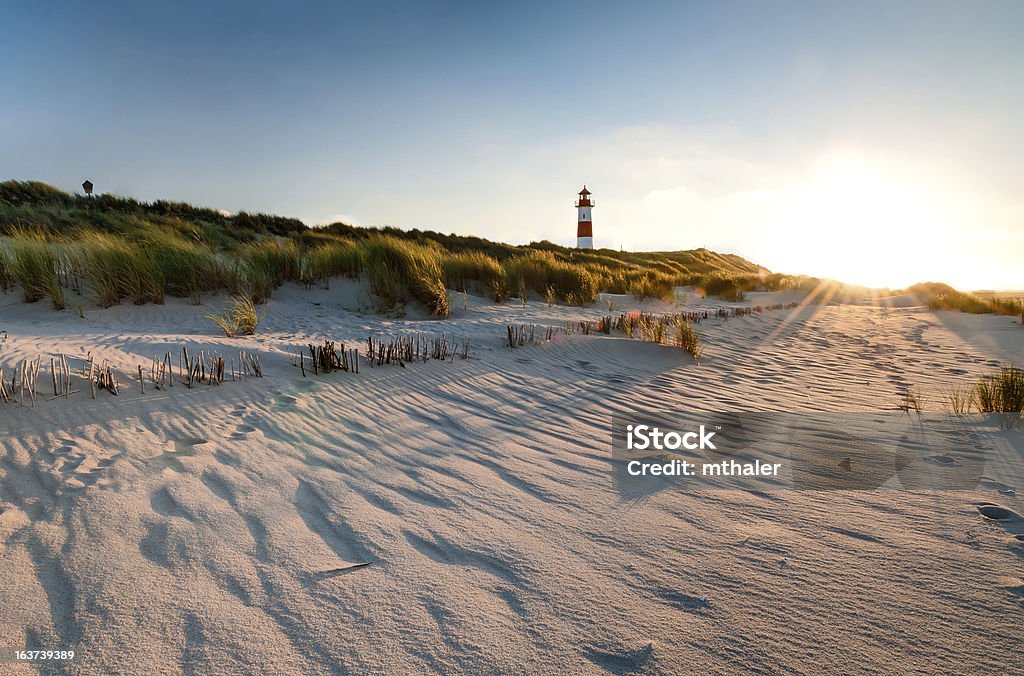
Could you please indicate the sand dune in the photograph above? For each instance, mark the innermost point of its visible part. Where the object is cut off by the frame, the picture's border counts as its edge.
(226, 529)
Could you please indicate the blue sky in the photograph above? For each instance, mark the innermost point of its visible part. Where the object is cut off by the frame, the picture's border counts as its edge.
(805, 136)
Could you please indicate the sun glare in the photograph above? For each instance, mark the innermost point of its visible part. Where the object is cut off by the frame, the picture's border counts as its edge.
(858, 223)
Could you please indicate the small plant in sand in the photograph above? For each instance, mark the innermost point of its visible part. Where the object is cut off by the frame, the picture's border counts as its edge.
(500, 291)
(960, 399)
(239, 318)
(911, 400)
(550, 297)
(1001, 392)
(688, 338)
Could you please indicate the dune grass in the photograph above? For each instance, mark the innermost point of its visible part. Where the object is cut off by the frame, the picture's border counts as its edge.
(998, 392)
(960, 399)
(1001, 392)
(118, 269)
(399, 270)
(6, 272)
(939, 296)
(173, 248)
(542, 273)
(687, 338)
(339, 258)
(239, 318)
(34, 264)
(911, 400)
(265, 265)
(651, 284)
(471, 270)
(188, 269)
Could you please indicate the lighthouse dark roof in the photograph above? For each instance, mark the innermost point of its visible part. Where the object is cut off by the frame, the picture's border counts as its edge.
(584, 191)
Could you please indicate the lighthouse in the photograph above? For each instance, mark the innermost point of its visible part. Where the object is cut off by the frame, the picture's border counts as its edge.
(584, 226)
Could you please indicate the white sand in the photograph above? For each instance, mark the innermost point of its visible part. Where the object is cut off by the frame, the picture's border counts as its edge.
(208, 530)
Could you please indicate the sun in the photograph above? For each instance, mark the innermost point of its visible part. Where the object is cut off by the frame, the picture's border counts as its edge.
(863, 224)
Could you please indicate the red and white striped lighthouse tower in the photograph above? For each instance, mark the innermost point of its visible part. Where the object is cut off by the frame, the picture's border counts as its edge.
(584, 226)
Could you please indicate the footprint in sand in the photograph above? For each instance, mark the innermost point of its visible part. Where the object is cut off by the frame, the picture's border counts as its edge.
(1000, 513)
(80, 469)
(163, 503)
(285, 402)
(1009, 520)
(1002, 488)
(188, 446)
(242, 431)
(942, 460)
(623, 661)
(182, 448)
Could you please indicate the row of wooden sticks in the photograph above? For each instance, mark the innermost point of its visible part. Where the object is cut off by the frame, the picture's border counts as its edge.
(192, 370)
(213, 369)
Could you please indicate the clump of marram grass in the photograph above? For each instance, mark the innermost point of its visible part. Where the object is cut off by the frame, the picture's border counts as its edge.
(239, 318)
(400, 270)
(34, 264)
(1001, 392)
(688, 338)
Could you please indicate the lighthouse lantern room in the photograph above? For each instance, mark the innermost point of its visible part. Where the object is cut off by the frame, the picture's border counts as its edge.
(584, 224)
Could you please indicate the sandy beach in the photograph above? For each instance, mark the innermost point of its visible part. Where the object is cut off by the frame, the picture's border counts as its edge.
(224, 529)
(511, 339)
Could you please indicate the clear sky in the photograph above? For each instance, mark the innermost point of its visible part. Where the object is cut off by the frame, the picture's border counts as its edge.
(878, 143)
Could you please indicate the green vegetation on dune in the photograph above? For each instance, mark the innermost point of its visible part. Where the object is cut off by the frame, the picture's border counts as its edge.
(34, 265)
(939, 296)
(114, 249)
(399, 270)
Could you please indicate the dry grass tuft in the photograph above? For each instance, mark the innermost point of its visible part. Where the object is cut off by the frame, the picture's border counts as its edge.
(239, 318)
